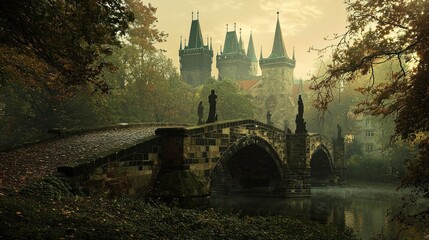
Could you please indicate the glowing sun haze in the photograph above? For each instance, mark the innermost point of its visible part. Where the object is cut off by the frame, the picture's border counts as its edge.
(304, 24)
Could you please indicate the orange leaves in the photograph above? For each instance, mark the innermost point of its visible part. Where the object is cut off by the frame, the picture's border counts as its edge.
(62, 42)
(143, 32)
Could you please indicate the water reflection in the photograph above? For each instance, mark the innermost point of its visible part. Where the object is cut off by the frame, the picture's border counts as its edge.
(362, 207)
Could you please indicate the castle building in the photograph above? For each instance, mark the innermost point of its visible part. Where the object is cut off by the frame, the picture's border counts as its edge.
(277, 81)
(252, 56)
(195, 58)
(275, 91)
(233, 62)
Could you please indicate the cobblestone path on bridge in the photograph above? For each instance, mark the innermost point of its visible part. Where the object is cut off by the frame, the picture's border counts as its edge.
(33, 162)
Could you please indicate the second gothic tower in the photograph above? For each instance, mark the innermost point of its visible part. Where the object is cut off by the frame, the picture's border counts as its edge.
(195, 58)
(232, 62)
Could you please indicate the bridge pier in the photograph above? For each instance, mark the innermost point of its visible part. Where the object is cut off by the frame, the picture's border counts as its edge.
(176, 179)
(299, 172)
(340, 169)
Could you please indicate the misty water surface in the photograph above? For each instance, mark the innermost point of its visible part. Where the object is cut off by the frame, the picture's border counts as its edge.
(361, 206)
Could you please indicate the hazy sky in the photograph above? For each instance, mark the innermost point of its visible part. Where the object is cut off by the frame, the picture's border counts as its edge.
(304, 24)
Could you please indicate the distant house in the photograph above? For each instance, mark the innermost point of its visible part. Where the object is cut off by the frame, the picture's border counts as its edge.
(370, 132)
(250, 85)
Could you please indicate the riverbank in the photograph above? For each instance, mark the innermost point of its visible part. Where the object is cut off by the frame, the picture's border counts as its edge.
(48, 210)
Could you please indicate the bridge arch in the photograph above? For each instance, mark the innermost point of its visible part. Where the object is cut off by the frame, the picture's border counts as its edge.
(321, 163)
(250, 165)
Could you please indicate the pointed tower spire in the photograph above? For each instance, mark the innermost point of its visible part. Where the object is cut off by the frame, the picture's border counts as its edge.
(251, 50)
(195, 36)
(198, 15)
(231, 44)
(260, 56)
(278, 45)
(211, 44)
(241, 45)
(180, 43)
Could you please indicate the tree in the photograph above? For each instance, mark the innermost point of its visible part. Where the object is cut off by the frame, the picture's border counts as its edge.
(69, 38)
(161, 96)
(232, 101)
(380, 31)
(55, 54)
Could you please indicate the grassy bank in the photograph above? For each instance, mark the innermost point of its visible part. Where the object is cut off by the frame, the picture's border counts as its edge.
(50, 212)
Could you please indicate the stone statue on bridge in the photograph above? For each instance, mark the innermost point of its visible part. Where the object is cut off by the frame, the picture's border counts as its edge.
(299, 120)
(200, 113)
(269, 122)
(212, 110)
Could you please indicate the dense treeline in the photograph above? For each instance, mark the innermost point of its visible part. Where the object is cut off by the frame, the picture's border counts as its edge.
(379, 31)
(386, 161)
(68, 64)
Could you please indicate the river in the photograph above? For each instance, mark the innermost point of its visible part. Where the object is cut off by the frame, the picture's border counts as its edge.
(360, 206)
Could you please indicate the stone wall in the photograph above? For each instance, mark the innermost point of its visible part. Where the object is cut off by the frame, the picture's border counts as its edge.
(234, 67)
(131, 171)
(276, 88)
(179, 162)
(195, 65)
(201, 148)
(298, 175)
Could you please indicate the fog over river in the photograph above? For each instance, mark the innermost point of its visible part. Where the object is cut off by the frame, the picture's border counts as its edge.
(363, 207)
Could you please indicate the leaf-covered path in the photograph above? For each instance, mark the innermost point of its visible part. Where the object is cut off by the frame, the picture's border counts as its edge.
(33, 162)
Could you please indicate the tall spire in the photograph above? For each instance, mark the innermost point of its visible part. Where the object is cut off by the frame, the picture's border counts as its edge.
(251, 50)
(211, 44)
(260, 56)
(231, 44)
(241, 45)
(180, 43)
(195, 36)
(278, 45)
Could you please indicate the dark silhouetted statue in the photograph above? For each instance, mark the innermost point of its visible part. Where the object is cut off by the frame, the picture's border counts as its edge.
(212, 110)
(200, 113)
(269, 118)
(299, 120)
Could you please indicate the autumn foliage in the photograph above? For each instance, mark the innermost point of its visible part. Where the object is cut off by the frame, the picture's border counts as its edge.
(382, 31)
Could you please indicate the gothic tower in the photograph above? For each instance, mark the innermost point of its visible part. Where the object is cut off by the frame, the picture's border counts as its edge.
(195, 58)
(277, 81)
(252, 56)
(232, 62)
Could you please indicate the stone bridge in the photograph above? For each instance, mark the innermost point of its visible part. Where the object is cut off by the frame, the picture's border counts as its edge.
(231, 157)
